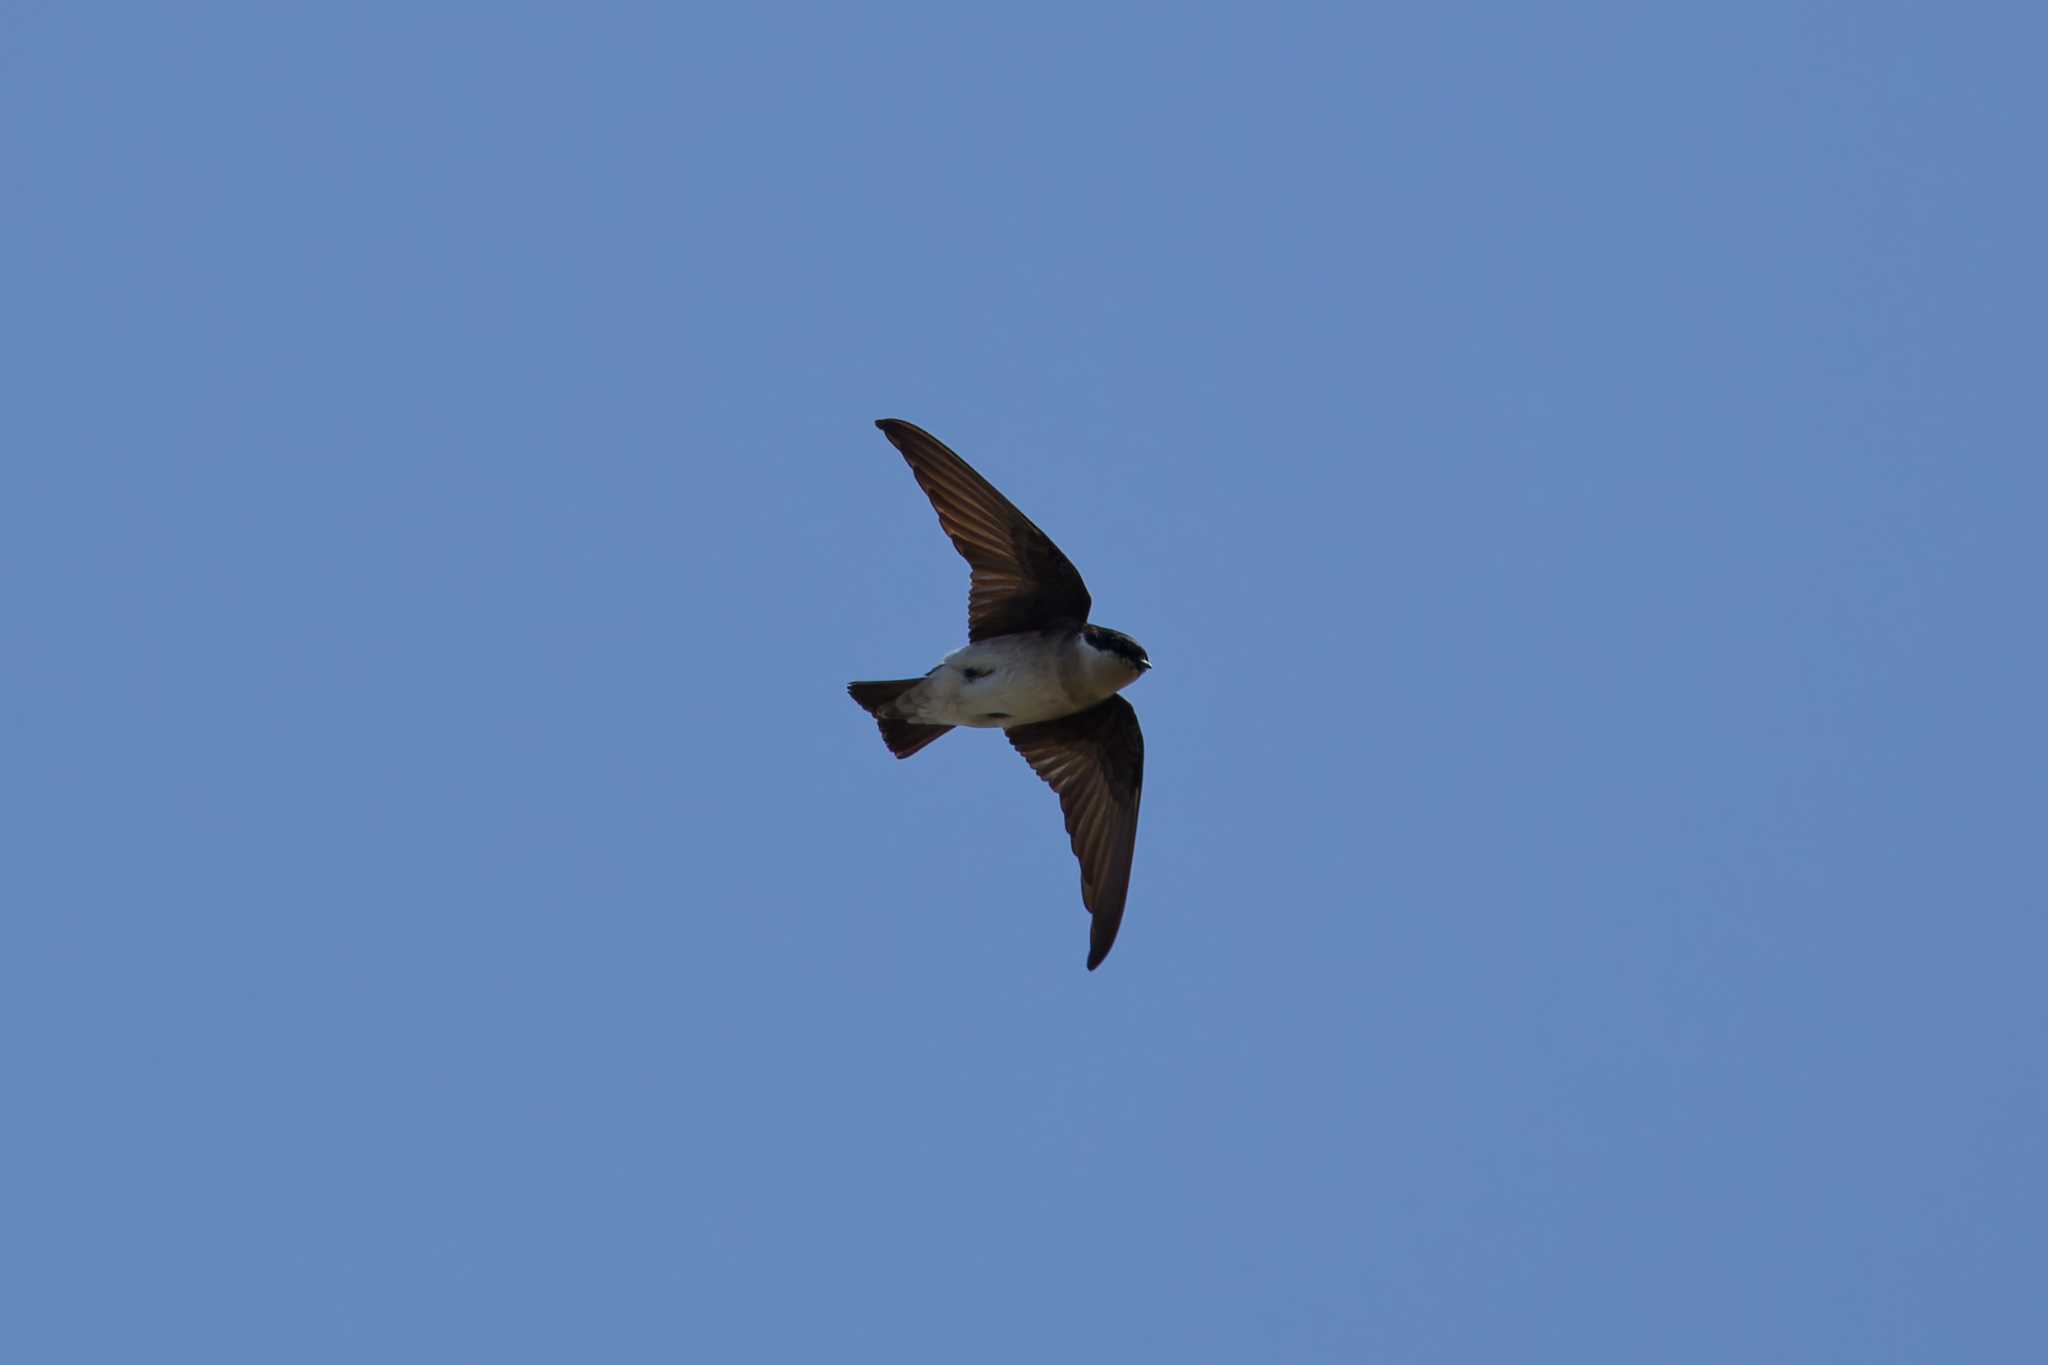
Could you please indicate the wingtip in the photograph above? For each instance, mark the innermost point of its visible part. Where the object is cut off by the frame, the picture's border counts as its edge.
(1095, 956)
(896, 427)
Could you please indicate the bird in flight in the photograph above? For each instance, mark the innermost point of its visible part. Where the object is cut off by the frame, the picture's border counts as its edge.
(1033, 668)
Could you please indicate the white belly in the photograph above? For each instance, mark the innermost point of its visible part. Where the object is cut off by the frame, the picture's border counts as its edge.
(998, 683)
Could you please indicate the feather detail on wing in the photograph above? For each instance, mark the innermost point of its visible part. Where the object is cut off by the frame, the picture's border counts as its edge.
(1095, 760)
(1021, 582)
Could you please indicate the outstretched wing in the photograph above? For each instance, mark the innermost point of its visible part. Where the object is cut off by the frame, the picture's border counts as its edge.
(1095, 760)
(1021, 581)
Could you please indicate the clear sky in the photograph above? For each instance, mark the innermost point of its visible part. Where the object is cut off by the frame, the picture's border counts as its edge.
(1578, 470)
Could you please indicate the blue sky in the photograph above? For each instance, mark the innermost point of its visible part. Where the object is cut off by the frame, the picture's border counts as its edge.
(1577, 469)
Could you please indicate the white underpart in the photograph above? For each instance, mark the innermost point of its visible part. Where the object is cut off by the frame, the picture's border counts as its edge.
(1025, 678)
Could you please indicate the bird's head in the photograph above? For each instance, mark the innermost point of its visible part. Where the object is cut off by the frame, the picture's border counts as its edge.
(1120, 647)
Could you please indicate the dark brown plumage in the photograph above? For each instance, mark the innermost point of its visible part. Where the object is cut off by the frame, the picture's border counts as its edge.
(904, 737)
(1095, 760)
(1021, 580)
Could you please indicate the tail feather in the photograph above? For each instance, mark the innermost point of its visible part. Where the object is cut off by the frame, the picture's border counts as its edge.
(873, 696)
(904, 737)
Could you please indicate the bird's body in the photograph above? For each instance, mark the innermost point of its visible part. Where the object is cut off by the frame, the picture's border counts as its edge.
(1015, 680)
(1034, 668)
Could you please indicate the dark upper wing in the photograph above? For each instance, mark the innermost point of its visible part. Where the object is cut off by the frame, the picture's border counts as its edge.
(1021, 580)
(1095, 760)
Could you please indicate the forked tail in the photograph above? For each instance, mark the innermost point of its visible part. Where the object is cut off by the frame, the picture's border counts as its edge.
(904, 737)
